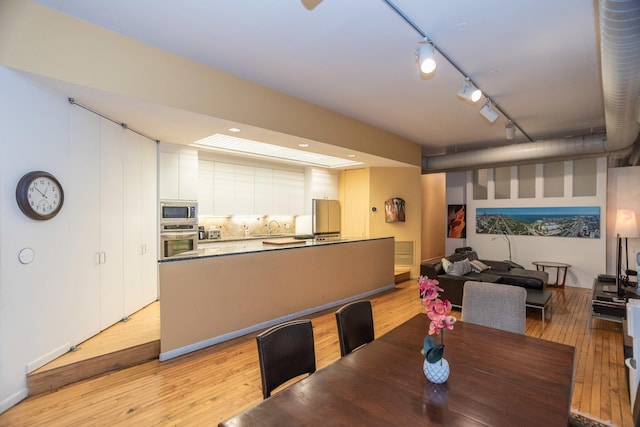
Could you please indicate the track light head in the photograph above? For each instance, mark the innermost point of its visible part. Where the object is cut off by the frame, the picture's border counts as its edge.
(425, 56)
(509, 131)
(488, 113)
(469, 92)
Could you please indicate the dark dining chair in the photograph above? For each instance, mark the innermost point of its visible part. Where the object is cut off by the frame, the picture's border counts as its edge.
(285, 351)
(355, 326)
(495, 305)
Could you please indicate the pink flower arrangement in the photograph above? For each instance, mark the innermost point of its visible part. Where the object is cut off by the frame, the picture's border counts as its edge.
(436, 309)
(438, 312)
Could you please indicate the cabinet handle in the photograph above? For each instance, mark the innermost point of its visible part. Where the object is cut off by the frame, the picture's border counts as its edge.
(98, 258)
(103, 257)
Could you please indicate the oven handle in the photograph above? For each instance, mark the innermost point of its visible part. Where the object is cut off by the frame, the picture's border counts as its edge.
(177, 235)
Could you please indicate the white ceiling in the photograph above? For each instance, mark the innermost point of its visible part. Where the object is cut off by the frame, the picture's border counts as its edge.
(537, 59)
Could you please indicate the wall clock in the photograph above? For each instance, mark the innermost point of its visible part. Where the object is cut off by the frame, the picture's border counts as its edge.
(39, 195)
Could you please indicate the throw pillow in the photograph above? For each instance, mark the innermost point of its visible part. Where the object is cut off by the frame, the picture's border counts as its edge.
(446, 265)
(479, 266)
(460, 268)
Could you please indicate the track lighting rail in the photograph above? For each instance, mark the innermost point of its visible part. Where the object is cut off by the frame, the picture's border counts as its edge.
(493, 103)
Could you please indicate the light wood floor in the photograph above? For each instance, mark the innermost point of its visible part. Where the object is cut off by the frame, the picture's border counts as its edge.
(210, 385)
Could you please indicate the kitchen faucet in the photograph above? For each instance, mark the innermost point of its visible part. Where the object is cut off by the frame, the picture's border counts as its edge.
(269, 226)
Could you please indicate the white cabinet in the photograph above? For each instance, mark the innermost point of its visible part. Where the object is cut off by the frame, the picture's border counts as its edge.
(178, 173)
(324, 184)
(205, 187)
(140, 223)
(288, 192)
(263, 191)
(188, 180)
(243, 194)
(223, 188)
(82, 193)
(149, 221)
(112, 183)
(234, 189)
(110, 256)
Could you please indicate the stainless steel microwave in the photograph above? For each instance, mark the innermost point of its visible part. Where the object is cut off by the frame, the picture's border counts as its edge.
(178, 212)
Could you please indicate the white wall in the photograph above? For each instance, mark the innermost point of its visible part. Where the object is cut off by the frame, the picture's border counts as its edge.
(586, 256)
(44, 305)
(623, 193)
(34, 312)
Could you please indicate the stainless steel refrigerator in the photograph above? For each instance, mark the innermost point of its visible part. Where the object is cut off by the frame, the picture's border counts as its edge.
(326, 218)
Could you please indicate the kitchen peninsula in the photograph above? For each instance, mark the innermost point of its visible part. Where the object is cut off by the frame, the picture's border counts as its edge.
(215, 294)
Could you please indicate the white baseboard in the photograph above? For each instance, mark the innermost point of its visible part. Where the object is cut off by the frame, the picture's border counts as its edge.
(12, 400)
(46, 358)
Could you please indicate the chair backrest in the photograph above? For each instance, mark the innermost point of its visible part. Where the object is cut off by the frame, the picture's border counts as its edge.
(285, 351)
(495, 305)
(355, 326)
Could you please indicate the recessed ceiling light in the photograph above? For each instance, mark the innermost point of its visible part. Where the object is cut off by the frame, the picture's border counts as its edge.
(351, 155)
(303, 145)
(233, 144)
(234, 130)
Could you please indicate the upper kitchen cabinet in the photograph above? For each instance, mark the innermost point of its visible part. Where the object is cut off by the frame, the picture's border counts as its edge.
(227, 188)
(205, 187)
(178, 173)
(288, 192)
(263, 190)
(233, 189)
(320, 184)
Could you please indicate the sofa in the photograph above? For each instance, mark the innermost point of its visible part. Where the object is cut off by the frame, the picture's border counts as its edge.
(502, 272)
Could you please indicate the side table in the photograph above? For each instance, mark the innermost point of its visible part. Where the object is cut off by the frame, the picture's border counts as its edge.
(606, 305)
(561, 268)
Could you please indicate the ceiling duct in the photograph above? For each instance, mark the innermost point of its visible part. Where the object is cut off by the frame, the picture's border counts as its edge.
(620, 51)
(529, 152)
(620, 58)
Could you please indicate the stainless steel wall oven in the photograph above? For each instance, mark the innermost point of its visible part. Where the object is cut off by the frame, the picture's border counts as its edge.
(178, 227)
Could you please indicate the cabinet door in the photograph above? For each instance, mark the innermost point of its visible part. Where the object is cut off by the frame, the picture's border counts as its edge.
(111, 223)
(150, 225)
(324, 184)
(223, 189)
(132, 217)
(263, 191)
(188, 183)
(83, 195)
(288, 192)
(205, 187)
(243, 191)
(169, 176)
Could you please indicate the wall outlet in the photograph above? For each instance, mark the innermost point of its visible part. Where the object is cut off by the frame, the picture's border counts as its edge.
(287, 226)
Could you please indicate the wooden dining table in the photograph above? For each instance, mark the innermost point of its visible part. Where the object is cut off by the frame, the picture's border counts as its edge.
(497, 378)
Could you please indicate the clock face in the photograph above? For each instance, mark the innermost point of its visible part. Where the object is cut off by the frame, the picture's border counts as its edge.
(39, 195)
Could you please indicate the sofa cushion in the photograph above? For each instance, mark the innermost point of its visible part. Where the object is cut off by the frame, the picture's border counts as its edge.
(446, 265)
(460, 268)
(478, 266)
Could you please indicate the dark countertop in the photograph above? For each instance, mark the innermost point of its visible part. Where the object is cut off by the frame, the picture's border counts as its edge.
(249, 245)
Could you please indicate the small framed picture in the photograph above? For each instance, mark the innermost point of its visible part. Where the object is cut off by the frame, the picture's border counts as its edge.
(456, 222)
(394, 210)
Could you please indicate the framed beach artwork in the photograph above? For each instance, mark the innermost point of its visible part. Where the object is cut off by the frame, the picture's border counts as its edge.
(573, 221)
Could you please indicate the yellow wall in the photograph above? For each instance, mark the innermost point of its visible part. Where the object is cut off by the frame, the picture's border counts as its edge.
(364, 189)
(433, 215)
(354, 195)
(39, 40)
